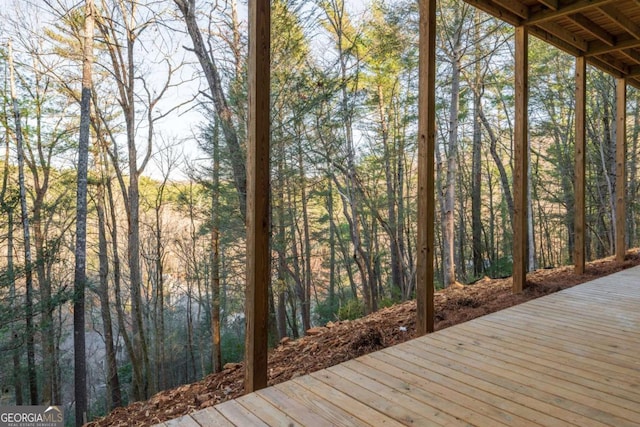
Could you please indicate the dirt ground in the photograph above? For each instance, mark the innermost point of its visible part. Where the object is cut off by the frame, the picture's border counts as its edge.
(340, 341)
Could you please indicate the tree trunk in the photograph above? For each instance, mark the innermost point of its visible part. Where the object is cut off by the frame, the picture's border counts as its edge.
(7, 203)
(113, 380)
(207, 62)
(17, 364)
(504, 178)
(306, 238)
(279, 246)
(80, 275)
(633, 180)
(216, 350)
(117, 280)
(608, 166)
(476, 173)
(28, 260)
(397, 277)
(297, 274)
(121, 53)
(448, 254)
(531, 242)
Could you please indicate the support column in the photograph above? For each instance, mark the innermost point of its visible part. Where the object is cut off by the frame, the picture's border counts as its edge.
(621, 168)
(521, 160)
(580, 162)
(426, 171)
(258, 196)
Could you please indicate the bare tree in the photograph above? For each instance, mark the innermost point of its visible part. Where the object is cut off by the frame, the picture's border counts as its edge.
(80, 277)
(8, 204)
(121, 29)
(28, 260)
(220, 102)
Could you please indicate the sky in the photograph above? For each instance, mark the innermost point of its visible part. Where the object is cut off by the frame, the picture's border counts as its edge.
(181, 126)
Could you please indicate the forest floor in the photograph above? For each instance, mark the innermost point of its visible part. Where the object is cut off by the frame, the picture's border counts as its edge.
(338, 342)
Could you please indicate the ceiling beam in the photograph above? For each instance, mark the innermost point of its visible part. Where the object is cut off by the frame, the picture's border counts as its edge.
(620, 19)
(598, 48)
(498, 12)
(604, 66)
(634, 71)
(551, 4)
(593, 28)
(632, 55)
(616, 64)
(633, 83)
(514, 6)
(554, 40)
(574, 7)
(565, 35)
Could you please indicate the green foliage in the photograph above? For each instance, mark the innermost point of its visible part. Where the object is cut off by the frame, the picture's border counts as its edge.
(326, 311)
(351, 310)
(503, 267)
(232, 346)
(387, 302)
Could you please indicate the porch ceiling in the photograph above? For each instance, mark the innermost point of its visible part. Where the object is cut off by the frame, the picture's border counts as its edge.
(606, 32)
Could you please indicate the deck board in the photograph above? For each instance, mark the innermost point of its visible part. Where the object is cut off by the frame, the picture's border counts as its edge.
(567, 359)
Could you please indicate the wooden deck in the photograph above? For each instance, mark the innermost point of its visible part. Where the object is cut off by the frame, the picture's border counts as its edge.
(571, 358)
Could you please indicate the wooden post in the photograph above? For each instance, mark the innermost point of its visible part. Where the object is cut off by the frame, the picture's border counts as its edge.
(580, 162)
(426, 171)
(258, 184)
(621, 167)
(521, 161)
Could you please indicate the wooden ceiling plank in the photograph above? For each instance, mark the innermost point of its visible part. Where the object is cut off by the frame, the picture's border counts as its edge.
(633, 83)
(605, 66)
(620, 19)
(634, 71)
(554, 40)
(593, 28)
(514, 6)
(495, 10)
(551, 4)
(565, 35)
(632, 55)
(598, 48)
(616, 64)
(575, 7)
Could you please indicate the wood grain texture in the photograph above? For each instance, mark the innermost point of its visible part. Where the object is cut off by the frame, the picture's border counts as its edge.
(521, 160)
(258, 197)
(426, 167)
(566, 359)
(621, 168)
(579, 257)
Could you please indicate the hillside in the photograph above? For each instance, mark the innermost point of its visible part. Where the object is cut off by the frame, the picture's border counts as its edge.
(341, 341)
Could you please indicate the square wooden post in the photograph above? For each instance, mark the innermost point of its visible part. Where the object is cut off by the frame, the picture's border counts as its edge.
(426, 171)
(580, 162)
(621, 168)
(521, 160)
(258, 197)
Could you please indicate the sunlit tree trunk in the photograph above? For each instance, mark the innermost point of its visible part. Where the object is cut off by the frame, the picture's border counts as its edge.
(476, 167)
(448, 217)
